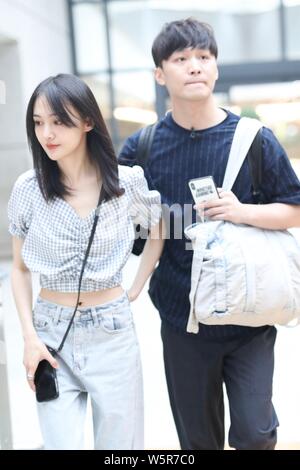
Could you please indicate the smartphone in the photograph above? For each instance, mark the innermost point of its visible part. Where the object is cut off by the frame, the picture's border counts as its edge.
(203, 189)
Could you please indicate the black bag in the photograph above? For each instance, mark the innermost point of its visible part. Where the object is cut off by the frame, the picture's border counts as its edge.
(45, 379)
(142, 154)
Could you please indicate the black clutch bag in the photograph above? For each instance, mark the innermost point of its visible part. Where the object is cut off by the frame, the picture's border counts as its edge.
(45, 380)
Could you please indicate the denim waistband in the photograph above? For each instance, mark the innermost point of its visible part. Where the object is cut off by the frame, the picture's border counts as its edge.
(65, 313)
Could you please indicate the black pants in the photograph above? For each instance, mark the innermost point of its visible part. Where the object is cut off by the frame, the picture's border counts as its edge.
(196, 370)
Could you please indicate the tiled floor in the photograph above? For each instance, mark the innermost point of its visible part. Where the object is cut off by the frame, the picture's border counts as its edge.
(159, 429)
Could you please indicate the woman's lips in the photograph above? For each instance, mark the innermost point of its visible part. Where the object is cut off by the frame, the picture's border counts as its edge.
(52, 146)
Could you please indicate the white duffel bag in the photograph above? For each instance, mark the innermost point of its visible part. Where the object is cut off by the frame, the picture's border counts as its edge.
(243, 275)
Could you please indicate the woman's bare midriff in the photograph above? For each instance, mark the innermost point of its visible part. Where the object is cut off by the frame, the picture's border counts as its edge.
(87, 299)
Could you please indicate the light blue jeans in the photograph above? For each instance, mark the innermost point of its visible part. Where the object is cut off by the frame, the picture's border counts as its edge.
(101, 358)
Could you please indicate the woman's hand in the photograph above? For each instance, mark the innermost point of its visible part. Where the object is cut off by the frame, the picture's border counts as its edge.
(227, 207)
(34, 352)
(132, 294)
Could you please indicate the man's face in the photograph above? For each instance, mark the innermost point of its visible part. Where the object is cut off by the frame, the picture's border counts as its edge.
(189, 74)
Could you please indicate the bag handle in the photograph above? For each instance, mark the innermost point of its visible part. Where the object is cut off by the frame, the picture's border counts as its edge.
(200, 243)
(82, 269)
(245, 132)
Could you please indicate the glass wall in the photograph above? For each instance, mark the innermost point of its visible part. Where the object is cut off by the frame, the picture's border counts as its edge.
(277, 105)
(292, 21)
(113, 41)
(90, 38)
(134, 100)
(245, 30)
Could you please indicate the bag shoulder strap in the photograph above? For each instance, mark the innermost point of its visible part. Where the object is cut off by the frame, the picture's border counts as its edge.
(255, 164)
(144, 144)
(246, 130)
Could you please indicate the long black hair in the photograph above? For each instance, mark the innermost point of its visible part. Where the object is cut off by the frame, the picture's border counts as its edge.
(181, 34)
(61, 92)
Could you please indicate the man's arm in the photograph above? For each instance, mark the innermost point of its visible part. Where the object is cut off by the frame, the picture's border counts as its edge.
(127, 155)
(273, 216)
(280, 187)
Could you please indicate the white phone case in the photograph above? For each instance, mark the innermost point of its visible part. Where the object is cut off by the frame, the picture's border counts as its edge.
(203, 189)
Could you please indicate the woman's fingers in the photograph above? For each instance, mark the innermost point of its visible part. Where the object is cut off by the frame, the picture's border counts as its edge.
(30, 377)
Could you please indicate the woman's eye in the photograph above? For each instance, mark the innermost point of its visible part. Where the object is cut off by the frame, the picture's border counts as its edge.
(37, 123)
(58, 123)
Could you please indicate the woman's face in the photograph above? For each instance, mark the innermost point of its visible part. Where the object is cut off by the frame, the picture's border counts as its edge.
(58, 140)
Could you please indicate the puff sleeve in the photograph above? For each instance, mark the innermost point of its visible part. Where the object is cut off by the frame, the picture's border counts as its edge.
(20, 206)
(145, 206)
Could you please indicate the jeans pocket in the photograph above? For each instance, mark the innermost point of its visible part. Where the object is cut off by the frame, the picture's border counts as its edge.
(41, 318)
(116, 321)
(41, 322)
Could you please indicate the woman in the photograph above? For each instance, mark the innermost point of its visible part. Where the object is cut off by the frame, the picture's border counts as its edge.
(51, 212)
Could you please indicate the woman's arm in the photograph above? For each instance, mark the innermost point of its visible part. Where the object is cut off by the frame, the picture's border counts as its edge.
(151, 254)
(34, 350)
(22, 289)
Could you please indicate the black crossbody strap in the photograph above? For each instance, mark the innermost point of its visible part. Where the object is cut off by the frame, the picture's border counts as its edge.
(82, 270)
(255, 164)
(144, 144)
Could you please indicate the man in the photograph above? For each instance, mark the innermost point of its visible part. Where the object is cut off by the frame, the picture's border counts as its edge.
(194, 140)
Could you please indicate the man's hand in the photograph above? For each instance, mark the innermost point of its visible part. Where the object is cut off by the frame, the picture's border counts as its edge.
(227, 207)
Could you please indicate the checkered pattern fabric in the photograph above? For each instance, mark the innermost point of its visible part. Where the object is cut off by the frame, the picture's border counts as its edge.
(56, 237)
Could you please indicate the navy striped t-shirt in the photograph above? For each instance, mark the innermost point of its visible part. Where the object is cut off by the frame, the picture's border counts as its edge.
(178, 155)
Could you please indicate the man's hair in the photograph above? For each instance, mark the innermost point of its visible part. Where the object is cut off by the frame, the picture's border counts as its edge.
(182, 34)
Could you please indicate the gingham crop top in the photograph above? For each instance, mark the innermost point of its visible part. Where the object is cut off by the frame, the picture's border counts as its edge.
(56, 237)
